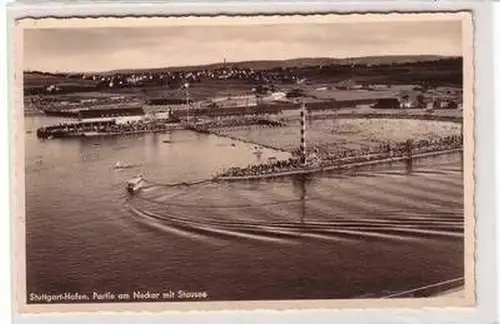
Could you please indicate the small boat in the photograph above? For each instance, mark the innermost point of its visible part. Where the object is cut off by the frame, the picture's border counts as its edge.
(135, 184)
(119, 165)
(167, 141)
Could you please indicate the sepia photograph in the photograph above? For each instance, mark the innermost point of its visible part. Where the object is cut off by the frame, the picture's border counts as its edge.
(311, 160)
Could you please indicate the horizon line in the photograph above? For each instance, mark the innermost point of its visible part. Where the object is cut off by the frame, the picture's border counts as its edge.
(247, 61)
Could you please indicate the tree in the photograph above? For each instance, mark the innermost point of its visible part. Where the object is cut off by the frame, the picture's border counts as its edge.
(420, 101)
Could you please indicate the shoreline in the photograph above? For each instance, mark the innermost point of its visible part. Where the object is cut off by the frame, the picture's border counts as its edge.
(335, 167)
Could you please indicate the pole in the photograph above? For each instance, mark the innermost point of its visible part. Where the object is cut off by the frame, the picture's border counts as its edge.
(303, 153)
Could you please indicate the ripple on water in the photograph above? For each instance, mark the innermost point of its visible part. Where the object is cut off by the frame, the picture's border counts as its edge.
(388, 206)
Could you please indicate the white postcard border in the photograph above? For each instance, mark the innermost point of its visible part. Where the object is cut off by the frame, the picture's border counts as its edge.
(468, 128)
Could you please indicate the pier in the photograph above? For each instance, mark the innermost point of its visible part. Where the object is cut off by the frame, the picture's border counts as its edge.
(268, 173)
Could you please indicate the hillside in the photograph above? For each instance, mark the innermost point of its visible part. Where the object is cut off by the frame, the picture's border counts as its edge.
(296, 63)
(433, 70)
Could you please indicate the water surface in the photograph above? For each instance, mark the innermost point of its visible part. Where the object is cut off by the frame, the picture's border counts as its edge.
(364, 233)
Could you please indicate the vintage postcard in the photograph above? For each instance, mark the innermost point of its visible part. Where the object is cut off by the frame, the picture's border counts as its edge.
(244, 162)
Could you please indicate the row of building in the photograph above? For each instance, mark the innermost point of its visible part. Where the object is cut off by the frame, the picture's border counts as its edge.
(274, 102)
(175, 79)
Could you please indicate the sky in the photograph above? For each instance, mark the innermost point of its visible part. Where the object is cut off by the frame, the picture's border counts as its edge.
(104, 49)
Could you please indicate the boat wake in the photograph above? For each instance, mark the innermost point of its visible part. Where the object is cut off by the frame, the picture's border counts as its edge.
(347, 210)
(403, 228)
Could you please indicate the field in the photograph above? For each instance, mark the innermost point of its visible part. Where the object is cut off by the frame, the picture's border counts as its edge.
(336, 134)
(436, 71)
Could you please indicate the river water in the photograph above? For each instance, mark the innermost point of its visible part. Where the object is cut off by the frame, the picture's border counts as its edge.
(369, 233)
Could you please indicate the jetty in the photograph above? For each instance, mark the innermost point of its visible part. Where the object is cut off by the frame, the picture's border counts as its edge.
(268, 172)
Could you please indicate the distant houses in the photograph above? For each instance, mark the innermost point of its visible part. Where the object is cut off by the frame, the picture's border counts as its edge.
(416, 101)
